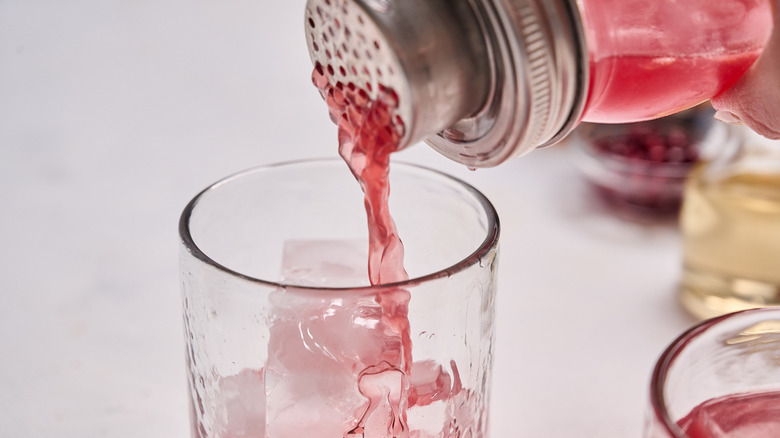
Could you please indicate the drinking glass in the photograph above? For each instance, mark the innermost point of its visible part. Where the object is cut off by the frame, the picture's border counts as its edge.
(285, 337)
(719, 379)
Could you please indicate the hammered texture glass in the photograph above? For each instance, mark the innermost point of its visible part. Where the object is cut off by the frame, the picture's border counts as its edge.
(271, 356)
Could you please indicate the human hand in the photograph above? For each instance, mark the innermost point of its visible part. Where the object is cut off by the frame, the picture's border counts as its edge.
(755, 99)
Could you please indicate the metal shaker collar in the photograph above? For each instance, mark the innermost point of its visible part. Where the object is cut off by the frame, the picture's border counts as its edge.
(478, 80)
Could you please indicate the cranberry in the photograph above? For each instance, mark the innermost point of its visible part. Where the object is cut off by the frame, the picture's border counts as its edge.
(641, 143)
(647, 166)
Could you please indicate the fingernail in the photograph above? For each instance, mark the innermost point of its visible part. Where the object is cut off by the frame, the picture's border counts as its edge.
(728, 117)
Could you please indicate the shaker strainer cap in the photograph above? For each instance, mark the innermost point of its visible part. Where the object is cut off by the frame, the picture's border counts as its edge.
(478, 80)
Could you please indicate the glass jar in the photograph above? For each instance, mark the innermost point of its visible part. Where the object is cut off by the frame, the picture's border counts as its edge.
(484, 80)
(730, 223)
(653, 58)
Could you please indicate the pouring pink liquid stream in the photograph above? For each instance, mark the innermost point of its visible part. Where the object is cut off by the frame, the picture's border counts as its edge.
(326, 375)
(367, 135)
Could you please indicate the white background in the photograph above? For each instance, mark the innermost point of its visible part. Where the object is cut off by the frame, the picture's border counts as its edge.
(114, 113)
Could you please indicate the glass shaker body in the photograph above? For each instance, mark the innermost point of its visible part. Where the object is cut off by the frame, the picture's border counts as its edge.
(649, 59)
(730, 224)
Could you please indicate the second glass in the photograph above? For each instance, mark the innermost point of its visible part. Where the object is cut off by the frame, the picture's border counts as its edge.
(286, 338)
(720, 379)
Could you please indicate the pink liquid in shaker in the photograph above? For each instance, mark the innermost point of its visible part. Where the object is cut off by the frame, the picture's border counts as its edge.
(651, 59)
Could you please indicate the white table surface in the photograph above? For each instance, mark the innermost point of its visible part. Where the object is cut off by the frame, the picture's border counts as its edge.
(114, 113)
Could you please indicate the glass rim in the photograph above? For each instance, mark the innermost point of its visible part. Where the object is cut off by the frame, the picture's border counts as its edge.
(670, 354)
(488, 243)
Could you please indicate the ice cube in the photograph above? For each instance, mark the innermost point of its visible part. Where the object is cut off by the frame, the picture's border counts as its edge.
(243, 406)
(321, 341)
(325, 263)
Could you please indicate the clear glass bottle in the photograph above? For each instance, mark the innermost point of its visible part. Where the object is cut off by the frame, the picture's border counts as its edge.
(484, 80)
(730, 223)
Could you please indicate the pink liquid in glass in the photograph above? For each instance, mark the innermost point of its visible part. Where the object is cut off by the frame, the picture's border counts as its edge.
(333, 366)
(754, 415)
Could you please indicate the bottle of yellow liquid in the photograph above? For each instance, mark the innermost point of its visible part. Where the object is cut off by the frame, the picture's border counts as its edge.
(730, 223)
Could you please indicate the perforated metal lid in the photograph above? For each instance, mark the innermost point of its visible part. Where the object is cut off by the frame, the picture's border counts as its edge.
(478, 80)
